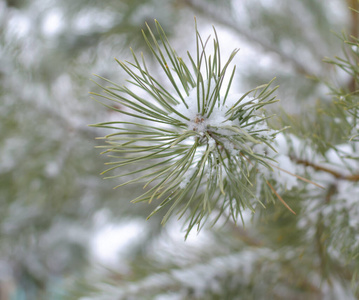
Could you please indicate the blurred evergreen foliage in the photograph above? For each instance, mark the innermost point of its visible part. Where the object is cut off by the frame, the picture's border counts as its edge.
(51, 194)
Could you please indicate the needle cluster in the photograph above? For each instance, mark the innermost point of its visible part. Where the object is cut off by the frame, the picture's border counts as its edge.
(192, 144)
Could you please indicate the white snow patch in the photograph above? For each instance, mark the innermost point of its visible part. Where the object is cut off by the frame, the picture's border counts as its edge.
(218, 117)
(112, 240)
(52, 22)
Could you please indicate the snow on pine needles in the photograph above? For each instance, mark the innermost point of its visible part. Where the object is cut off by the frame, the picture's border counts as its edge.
(193, 146)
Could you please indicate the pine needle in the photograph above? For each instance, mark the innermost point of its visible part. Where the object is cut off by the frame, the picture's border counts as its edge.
(280, 198)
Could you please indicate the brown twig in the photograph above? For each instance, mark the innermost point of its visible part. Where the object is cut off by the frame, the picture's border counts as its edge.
(336, 174)
(354, 33)
(354, 17)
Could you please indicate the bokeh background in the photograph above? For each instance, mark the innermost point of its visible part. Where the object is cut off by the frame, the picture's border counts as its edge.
(63, 229)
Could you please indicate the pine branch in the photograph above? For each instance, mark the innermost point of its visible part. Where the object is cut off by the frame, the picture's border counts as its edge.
(193, 142)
